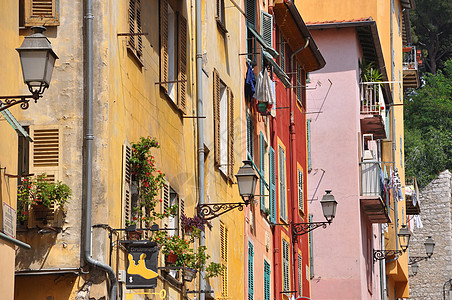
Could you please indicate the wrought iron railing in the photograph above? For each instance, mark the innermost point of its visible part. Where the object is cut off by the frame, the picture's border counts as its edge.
(410, 61)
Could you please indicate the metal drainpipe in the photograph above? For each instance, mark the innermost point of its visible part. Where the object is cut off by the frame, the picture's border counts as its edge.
(293, 166)
(88, 163)
(200, 112)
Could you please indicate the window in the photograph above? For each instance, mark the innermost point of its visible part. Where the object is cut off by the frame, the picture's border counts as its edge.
(220, 16)
(135, 42)
(250, 10)
(173, 54)
(223, 126)
(308, 138)
(300, 190)
(44, 157)
(262, 162)
(250, 271)
(282, 184)
(300, 283)
(39, 13)
(311, 251)
(224, 259)
(267, 30)
(282, 52)
(299, 83)
(249, 135)
(285, 265)
(272, 175)
(267, 271)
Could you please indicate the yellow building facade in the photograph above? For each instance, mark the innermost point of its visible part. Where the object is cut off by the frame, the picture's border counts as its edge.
(144, 84)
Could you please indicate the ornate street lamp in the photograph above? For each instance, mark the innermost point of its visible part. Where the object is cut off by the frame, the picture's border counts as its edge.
(37, 60)
(246, 180)
(404, 239)
(329, 205)
(414, 268)
(429, 246)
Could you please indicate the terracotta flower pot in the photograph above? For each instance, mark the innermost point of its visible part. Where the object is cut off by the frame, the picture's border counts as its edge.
(171, 258)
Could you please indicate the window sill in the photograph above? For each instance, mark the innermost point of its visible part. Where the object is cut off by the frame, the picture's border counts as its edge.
(134, 56)
(221, 26)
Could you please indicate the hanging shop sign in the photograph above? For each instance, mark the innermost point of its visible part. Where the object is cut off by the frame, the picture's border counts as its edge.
(142, 262)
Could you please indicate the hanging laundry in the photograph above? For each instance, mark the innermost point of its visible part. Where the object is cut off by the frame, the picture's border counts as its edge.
(264, 88)
(418, 222)
(250, 83)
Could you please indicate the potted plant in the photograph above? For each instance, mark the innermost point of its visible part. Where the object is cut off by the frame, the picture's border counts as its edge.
(192, 225)
(173, 247)
(41, 195)
(148, 181)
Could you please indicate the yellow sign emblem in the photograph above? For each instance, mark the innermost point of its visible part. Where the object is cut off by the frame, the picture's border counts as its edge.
(140, 268)
(162, 294)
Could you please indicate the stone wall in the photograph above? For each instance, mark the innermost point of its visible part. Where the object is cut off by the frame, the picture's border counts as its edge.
(436, 214)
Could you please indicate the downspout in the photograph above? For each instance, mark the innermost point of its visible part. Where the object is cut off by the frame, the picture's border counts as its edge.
(293, 164)
(200, 113)
(89, 137)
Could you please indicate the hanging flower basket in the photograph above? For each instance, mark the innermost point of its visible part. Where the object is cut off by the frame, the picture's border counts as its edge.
(189, 274)
(262, 107)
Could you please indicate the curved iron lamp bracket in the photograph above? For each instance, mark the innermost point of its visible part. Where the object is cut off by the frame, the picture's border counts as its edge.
(385, 254)
(303, 228)
(22, 100)
(415, 259)
(209, 211)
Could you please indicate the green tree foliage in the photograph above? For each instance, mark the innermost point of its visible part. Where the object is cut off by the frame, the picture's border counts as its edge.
(428, 126)
(431, 22)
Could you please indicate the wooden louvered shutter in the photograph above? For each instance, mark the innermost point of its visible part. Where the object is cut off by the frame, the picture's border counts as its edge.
(45, 153)
(216, 117)
(311, 251)
(126, 183)
(272, 167)
(230, 135)
(267, 28)
(300, 283)
(250, 11)
(250, 271)
(164, 56)
(41, 13)
(282, 52)
(181, 212)
(308, 138)
(299, 83)
(262, 168)
(300, 190)
(224, 259)
(282, 184)
(182, 63)
(286, 266)
(267, 294)
(135, 41)
(165, 201)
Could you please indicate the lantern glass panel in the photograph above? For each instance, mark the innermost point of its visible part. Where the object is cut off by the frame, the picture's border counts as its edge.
(34, 65)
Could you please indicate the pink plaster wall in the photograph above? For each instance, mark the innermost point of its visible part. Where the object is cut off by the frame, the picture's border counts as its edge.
(339, 250)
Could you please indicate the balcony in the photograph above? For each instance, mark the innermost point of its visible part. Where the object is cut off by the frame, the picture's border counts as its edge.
(374, 200)
(411, 62)
(372, 110)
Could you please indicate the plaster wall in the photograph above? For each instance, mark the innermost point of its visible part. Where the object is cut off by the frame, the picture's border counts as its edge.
(339, 256)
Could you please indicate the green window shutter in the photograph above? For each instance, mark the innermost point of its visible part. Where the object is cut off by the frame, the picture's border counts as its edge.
(271, 158)
(262, 166)
(250, 10)
(267, 294)
(299, 74)
(250, 272)
(249, 135)
(282, 53)
(286, 262)
(300, 190)
(308, 137)
(267, 28)
(300, 285)
(311, 251)
(282, 184)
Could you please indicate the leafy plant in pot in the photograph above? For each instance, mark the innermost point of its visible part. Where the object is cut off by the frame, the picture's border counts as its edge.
(148, 180)
(193, 225)
(41, 194)
(173, 247)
